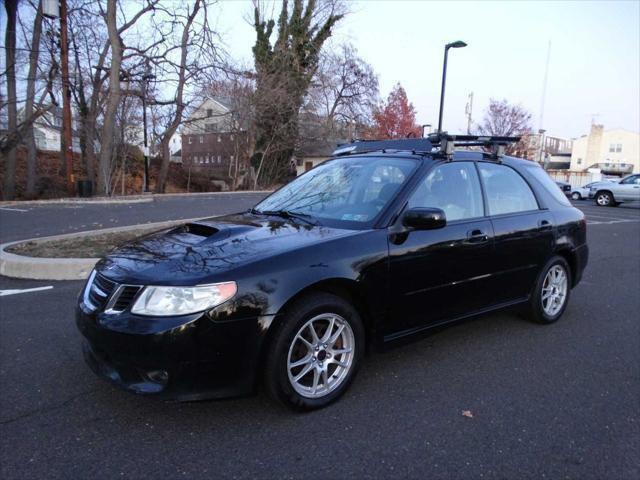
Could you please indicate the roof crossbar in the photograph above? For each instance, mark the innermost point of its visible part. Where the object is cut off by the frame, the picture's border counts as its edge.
(440, 143)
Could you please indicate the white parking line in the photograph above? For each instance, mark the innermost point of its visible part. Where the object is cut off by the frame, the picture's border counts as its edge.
(4, 293)
(13, 209)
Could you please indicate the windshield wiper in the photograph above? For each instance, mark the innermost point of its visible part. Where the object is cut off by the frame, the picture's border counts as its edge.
(287, 214)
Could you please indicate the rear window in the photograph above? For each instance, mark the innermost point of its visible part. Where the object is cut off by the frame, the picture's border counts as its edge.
(549, 184)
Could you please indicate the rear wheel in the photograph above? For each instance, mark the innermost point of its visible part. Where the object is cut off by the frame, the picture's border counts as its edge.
(315, 352)
(605, 199)
(576, 196)
(551, 292)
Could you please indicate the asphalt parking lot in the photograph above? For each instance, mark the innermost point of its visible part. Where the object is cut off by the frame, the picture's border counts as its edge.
(560, 401)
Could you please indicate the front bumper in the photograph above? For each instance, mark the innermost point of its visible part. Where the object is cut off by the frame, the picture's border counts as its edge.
(181, 358)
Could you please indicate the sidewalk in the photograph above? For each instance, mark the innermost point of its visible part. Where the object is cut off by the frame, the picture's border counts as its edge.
(144, 198)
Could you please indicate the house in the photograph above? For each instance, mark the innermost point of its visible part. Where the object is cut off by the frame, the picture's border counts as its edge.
(214, 143)
(314, 153)
(47, 130)
(613, 152)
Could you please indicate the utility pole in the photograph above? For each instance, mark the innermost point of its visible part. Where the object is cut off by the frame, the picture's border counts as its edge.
(468, 110)
(66, 98)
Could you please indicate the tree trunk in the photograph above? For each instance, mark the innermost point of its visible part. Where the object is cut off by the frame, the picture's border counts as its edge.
(11, 7)
(106, 149)
(177, 119)
(28, 108)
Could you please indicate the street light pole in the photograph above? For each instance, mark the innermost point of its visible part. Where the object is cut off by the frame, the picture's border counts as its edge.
(458, 44)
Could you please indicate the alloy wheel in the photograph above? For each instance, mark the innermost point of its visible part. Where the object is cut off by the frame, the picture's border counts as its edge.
(603, 199)
(576, 196)
(321, 355)
(554, 290)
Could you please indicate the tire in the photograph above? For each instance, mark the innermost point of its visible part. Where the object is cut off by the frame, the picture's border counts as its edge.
(293, 342)
(605, 199)
(576, 196)
(539, 309)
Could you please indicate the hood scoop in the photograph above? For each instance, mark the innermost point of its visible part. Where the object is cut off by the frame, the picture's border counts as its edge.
(197, 229)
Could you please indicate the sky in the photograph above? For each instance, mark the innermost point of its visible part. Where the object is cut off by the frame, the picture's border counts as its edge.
(594, 59)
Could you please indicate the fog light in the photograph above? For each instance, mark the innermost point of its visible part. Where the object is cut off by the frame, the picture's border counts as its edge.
(158, 376)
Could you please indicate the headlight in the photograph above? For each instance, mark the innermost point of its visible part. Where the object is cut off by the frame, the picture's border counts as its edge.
(168, 301)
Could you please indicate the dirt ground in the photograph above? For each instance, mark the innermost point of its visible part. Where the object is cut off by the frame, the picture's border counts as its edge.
(82, 247)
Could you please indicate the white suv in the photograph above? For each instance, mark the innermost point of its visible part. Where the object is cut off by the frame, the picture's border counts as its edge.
(612, 194)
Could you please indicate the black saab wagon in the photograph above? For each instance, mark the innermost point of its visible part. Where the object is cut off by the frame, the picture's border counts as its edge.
(359, 253)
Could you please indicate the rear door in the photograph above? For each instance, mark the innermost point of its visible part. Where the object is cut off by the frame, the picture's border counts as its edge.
(441, 274)
(524, 233)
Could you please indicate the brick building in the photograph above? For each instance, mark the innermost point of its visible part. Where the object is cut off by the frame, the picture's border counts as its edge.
(214, 146)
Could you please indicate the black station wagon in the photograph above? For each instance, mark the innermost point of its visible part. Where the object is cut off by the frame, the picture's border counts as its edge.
(381, 243)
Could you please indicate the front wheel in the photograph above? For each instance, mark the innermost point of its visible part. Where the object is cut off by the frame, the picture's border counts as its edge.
(551, 292)
(605, 199)
(576, 196)
(315, 352)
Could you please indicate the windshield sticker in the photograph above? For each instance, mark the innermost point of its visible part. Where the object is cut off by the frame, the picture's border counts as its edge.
(353, 217)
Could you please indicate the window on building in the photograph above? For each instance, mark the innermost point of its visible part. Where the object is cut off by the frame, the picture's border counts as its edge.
(219, 159)
(201, 139)
(579, 161)
(219, 139)
(189, 140)
(231, 136)
(209, 112)
(209, 127)
(618, 148)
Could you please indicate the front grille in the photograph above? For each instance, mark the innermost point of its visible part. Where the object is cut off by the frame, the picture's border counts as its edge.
(125, 297)
(104, 294)
(100, 291)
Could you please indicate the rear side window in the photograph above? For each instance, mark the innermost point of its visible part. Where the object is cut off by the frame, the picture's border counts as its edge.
(506, 190)
(549, 185)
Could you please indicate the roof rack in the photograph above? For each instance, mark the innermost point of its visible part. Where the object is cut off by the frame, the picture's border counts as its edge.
(447, 143)
(441, 144)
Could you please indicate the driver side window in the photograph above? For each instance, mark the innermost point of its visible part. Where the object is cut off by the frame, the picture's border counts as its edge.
(453, 187)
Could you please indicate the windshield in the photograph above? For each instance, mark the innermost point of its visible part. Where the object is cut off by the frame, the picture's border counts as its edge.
(353, 190)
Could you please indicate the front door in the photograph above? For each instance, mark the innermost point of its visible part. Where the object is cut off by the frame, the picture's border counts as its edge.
(437, 275)
(628, 189)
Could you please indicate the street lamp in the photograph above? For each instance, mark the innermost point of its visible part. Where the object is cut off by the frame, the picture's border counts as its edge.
(457, 44)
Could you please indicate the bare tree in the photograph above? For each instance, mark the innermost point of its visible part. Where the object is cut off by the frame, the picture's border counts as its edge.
(30, 99)
(197, 60)
(504, 119)
(11, 7)
(345, 89)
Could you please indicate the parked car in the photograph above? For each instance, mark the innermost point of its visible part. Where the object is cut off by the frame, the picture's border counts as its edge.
(581, 193)
(564, 187)
(607, 194)
(293, 292)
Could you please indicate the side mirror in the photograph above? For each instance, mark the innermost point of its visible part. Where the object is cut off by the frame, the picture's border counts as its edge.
(424, 218)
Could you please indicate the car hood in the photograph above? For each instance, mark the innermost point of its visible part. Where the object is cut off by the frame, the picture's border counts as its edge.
(199, 252)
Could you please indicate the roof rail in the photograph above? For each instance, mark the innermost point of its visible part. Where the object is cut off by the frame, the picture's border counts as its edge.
(441, 144)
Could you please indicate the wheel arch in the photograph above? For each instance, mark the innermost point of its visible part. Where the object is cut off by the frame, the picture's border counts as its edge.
(572, 259)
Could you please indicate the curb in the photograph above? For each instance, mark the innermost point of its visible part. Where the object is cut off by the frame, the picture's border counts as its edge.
(126, 199)
(38, 268)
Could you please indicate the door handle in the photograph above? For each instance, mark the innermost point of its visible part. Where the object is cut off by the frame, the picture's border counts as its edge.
(544, 225)
(477, 236)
